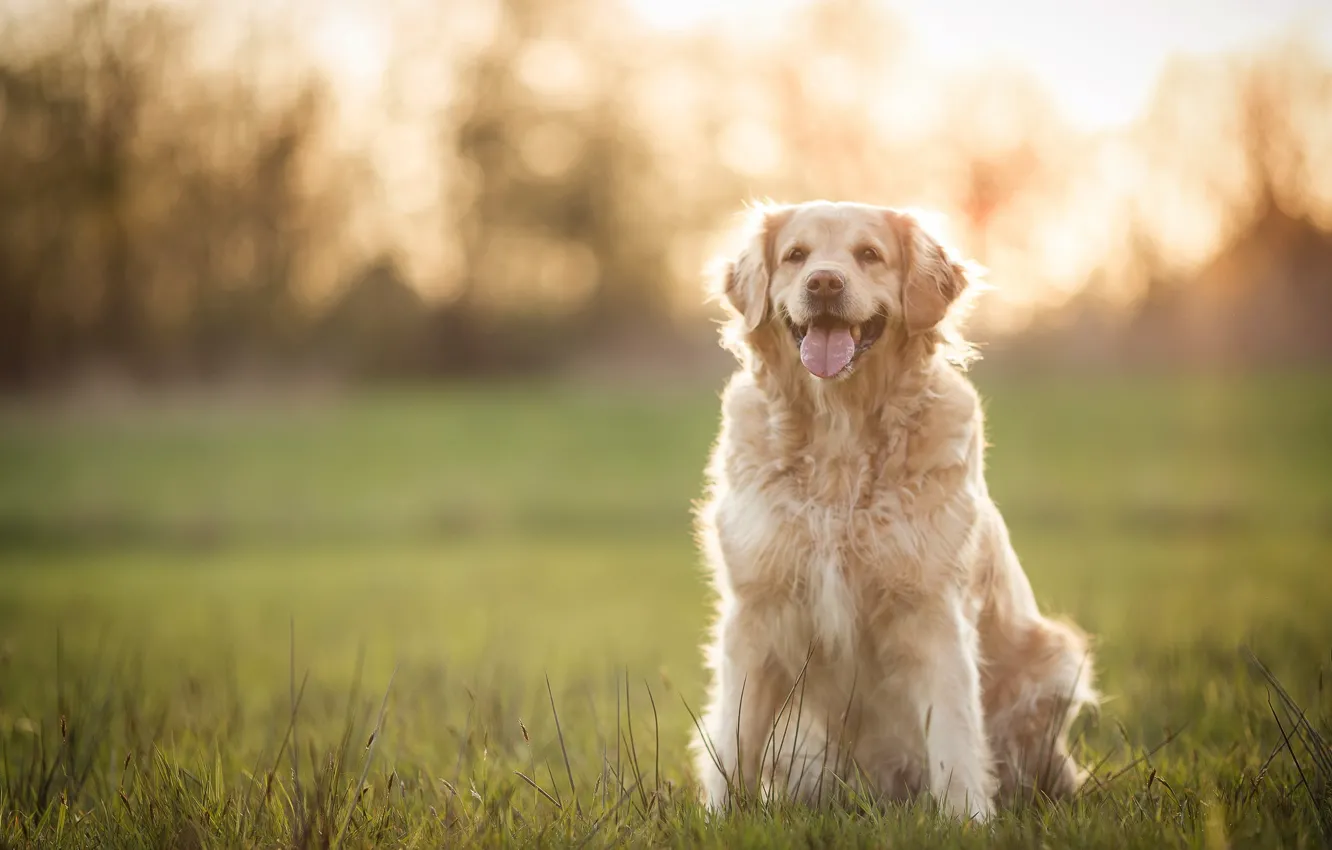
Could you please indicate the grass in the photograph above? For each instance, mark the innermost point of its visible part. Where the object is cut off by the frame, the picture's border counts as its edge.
(471, 617)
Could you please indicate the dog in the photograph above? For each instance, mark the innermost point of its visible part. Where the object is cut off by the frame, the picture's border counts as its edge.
(874, 626)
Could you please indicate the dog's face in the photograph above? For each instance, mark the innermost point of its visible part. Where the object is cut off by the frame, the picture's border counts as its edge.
(838, 278)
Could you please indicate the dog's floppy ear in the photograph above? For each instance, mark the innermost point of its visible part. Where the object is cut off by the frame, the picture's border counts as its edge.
(745, 279)
(931, 279)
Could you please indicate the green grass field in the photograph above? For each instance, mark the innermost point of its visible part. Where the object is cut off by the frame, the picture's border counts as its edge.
(206, 612)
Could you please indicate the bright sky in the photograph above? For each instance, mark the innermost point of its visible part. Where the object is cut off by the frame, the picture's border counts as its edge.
(1100, 59)
(354, 46)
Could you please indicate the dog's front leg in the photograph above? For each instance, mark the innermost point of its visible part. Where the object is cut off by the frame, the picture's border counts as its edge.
(747, 690)
(948, 698)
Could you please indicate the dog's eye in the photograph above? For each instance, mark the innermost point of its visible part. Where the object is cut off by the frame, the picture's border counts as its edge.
(868, 255)
(796, 255)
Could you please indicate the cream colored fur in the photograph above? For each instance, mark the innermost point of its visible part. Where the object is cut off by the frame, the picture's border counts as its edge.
(874, 624)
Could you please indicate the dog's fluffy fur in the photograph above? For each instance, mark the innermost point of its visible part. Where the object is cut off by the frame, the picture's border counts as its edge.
(874, 625)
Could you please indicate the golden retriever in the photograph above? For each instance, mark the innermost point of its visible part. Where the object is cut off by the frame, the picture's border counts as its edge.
(874, 625)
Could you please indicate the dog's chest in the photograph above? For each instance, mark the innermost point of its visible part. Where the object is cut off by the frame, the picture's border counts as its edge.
(837, 541)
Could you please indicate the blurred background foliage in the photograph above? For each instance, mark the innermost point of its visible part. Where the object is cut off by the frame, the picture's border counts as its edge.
(350, 191)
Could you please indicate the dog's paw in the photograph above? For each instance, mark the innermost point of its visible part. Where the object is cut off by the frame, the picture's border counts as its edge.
(974, 807)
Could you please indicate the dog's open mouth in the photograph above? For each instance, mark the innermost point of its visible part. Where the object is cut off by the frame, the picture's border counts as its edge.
(829, 346)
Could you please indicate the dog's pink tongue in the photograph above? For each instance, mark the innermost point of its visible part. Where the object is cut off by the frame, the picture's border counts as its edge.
(826, 350)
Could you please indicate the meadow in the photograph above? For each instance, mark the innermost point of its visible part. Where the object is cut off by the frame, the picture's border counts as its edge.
(470, 616)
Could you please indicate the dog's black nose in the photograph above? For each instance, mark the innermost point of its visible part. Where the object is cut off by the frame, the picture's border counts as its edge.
(825, 284)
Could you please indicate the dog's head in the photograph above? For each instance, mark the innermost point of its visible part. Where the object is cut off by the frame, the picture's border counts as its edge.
(838, 281)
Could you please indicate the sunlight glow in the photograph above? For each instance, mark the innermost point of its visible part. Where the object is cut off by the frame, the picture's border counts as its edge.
(691, 14)
(1099, 60)
(353, 45)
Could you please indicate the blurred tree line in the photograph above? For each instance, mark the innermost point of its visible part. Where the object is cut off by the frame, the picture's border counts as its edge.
(164, 220)
(166, 223)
